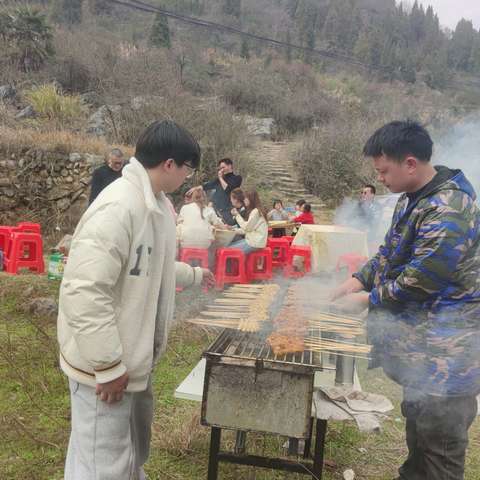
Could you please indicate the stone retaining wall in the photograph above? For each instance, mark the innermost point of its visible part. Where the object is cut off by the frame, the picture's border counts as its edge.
(48, 187)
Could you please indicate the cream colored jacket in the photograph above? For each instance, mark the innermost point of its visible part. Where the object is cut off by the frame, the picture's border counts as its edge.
(118, 291)
(194, 231)
(255, 229)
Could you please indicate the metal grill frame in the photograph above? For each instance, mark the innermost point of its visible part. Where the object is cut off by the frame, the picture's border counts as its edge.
(250, 347)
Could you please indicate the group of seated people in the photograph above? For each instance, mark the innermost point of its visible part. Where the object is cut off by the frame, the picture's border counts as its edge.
(197, 220)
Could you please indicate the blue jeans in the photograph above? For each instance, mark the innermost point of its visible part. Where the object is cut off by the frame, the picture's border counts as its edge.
(243, 246)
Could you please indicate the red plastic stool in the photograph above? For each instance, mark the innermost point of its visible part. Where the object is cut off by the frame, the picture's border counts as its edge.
(298, 251)
(25, 251)
(280, 248)
(29, 227)
(189, 254)
(288, 238)
(5, 241)
(236, 273)
(353, 262)
(254, 272)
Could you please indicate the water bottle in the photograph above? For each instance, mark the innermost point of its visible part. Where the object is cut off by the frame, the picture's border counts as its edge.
(55, 266)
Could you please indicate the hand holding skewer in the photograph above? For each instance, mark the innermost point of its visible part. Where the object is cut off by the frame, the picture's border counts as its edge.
(352, 285)
(354, 303)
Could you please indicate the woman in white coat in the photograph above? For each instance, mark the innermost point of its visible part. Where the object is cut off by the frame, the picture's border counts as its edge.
(196, 222)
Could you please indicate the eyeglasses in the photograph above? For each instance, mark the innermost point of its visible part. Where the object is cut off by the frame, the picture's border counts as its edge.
(191, 170)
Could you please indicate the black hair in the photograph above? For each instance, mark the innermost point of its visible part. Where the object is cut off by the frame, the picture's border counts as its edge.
(399, 139)
(163, 140)
(301, 202)
(372, 188)
(226, 161)
(277, 201)
(307, 208)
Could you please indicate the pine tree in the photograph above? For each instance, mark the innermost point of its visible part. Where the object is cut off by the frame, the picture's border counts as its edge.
(67, 12)
(288, 49)
(291, 7)
(100, 7)
(160, 32)
(244, 49)
(233, 8)
(436, 67)
(461, 45)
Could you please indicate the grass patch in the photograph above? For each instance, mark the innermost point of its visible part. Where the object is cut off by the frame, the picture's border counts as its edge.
(34, 405)
(54, 105)
(18, 140)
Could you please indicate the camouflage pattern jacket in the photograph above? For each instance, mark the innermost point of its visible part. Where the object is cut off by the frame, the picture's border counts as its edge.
(424, 284)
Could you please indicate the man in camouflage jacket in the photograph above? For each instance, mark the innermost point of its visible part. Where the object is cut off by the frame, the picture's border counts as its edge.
(422, 289)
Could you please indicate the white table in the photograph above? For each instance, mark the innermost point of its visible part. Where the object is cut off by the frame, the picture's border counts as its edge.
(329, 242)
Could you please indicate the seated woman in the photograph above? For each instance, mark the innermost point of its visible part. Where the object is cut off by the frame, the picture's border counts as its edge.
(254, 226)
(278, 214)
(195, 222)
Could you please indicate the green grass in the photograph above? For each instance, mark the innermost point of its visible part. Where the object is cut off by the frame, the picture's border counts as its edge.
(34, 406)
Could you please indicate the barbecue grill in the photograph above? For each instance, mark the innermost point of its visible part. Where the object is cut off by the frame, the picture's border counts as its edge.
(250, 388)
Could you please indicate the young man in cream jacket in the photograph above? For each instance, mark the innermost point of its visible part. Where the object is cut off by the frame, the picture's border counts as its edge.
(116, 306)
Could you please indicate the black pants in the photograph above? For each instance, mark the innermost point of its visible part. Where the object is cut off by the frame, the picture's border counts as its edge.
(437, 436)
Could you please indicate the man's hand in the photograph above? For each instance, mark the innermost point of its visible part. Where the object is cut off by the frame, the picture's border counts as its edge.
(208, 279)
(221, 173)
(352, 285)
(354, 302)
(112, 392)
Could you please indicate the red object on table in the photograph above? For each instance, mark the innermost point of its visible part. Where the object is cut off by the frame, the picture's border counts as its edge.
(298, 251)
(353, 261)
(280, 247)
(254, 272)
(230, 267)
(25, 251)
(289, 238)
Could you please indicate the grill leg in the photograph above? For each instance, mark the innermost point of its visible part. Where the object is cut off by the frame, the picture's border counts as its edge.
(215, 437)
(319, 449)
(293, 447)
(308, 442)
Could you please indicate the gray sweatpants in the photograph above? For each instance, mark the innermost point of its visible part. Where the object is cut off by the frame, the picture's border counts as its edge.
(108, 441)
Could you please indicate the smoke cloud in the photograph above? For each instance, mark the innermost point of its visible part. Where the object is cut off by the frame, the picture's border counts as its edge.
(460, 148)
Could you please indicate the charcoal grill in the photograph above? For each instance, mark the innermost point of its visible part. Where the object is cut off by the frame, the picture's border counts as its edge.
(250, 389)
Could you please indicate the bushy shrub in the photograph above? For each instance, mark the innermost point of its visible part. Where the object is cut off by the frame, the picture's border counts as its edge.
(47, 101)
(329, 159)
(289, 94)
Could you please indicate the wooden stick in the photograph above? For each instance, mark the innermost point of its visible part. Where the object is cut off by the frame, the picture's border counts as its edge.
(223, 314)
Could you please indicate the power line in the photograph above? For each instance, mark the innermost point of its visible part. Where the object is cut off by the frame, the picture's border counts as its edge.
(145, 7)
(148, 8)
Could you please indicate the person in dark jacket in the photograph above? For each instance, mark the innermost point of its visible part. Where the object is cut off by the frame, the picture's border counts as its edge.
(422, 290)
(107, 173)
(222, 187)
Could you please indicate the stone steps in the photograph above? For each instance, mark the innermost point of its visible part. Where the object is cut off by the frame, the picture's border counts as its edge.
(278, 170)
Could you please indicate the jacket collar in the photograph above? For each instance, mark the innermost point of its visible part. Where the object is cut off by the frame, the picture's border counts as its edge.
(135, 173)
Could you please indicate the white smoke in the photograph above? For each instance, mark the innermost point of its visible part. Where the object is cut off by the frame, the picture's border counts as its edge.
(460, 148)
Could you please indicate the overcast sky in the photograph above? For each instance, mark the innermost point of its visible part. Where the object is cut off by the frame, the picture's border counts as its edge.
(451, 11)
